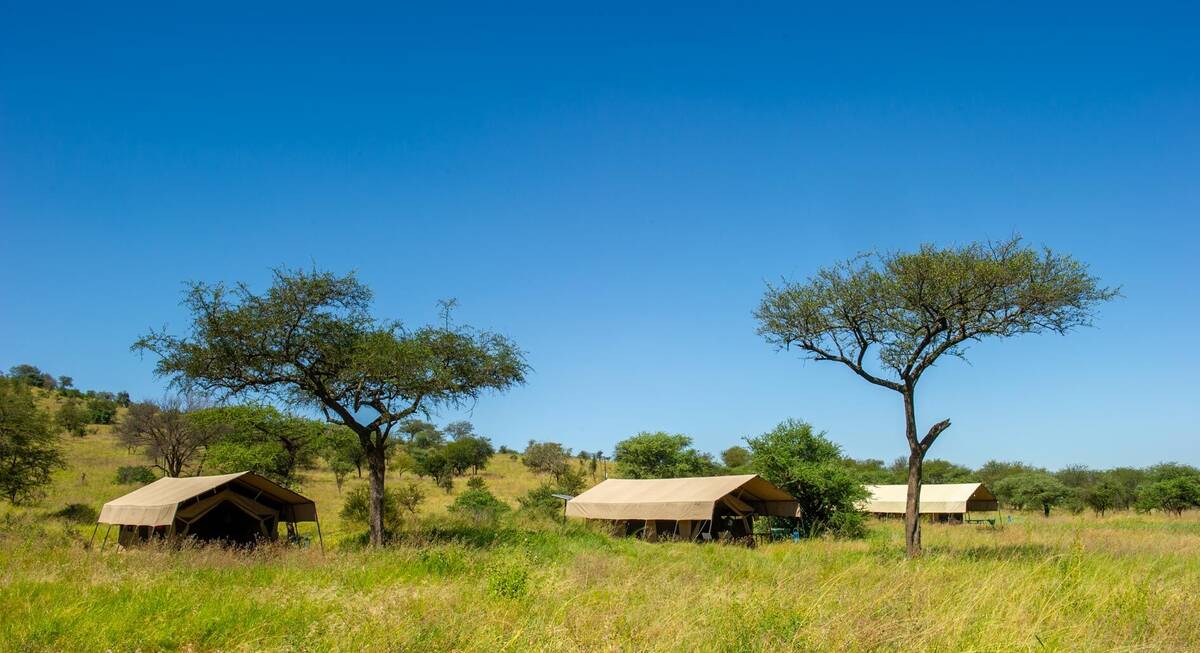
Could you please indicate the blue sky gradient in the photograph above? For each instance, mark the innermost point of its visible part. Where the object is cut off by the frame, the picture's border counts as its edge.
(614, 190)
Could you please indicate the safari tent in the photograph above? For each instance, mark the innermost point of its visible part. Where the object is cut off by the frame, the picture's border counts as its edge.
(686, 508)
(239, 508)
(946, 501)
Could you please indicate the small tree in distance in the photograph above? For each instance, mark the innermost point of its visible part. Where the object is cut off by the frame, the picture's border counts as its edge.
(909, 310)
(72, 417)
(661, 455)
(1173, 495)
(735, 458)
(1101, 497)
(546, 458)
(166, 432)
(1033, 490)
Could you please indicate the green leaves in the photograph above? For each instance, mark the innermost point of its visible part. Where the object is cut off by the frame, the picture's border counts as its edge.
(311, 340)
(1033, 490)
(29, 448)
(908, 309)
(661, 455)
(809, 466)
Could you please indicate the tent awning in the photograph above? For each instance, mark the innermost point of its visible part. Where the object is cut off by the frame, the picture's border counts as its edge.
(679, 498)
(157, 504)
(935, 498)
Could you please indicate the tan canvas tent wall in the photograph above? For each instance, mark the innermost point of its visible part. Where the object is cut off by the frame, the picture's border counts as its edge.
(686, 502)
(181, 506)
(157, 503)
(936, 498)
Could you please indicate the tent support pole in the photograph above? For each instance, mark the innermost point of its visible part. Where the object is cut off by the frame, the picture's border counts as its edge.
(105, 540)
(92, 540)
(320, 538)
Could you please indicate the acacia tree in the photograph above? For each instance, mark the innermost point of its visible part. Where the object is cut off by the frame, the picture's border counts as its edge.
(890, 317)
(310, 340)
(167, 432)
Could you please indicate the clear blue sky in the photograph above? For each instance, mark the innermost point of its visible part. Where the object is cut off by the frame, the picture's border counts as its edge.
(613, 190)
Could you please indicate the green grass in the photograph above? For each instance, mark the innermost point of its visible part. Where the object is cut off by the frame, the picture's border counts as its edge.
(1082, 584)
(1120, 583)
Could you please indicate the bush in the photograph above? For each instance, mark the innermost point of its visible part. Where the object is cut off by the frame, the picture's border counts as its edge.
(809, 466)
(409, 497)
(508, 576)
(101, 410)
(541, 501)
(76, 513)
(355, 508)
(139, 474)
(478, 505)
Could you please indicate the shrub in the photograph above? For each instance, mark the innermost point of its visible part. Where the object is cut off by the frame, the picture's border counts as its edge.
(139, 474)
(409, 497)
(541, 501)
(355, 510)
(477, 504)
(76, 513)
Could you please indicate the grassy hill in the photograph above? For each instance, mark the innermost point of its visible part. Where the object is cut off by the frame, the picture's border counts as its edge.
(93, 460)
(1069, 583)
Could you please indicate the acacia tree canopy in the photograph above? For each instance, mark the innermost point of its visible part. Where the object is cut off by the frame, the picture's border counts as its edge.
(889, 317)
(311, 340)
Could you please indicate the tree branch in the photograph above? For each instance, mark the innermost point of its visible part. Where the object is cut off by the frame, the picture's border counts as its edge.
(934, 432)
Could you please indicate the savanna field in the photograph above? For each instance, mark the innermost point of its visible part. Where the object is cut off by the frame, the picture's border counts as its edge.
(1124, 582)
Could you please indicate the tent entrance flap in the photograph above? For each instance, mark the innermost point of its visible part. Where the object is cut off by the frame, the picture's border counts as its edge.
(228, 521)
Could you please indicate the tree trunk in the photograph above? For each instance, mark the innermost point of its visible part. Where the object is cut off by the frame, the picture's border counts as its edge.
(377, 465)
(912, 515)
(916, 456)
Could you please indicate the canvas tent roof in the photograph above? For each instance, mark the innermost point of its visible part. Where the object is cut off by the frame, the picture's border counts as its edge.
(935, 498)
(678, 498)
(158, 503)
